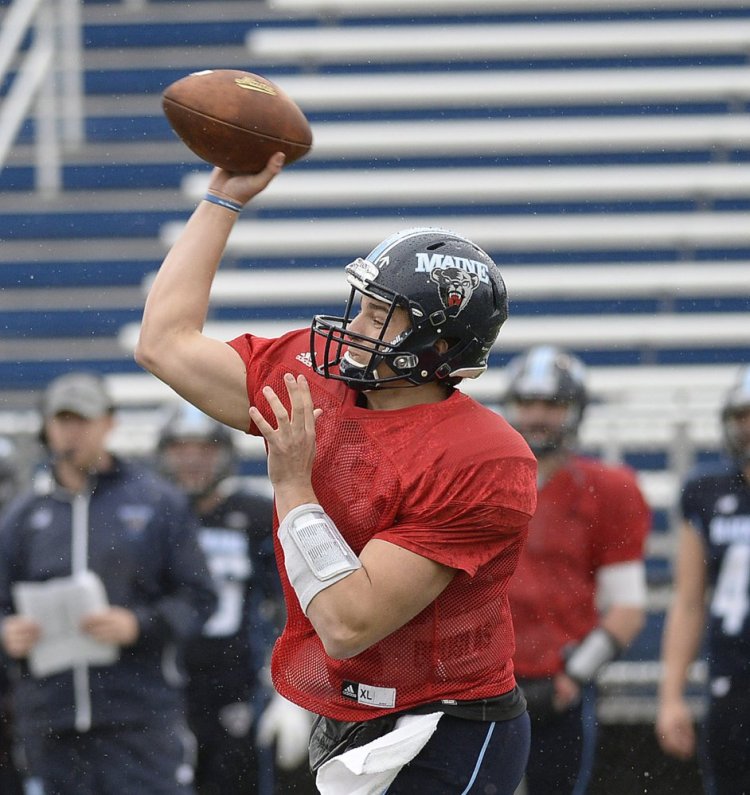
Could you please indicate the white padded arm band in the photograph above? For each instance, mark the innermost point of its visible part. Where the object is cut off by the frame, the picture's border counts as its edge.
(595, 650)
(622, 584)
(315, 553)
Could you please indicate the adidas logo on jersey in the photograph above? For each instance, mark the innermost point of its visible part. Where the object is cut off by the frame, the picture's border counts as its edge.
(305, 358)
(368, 695)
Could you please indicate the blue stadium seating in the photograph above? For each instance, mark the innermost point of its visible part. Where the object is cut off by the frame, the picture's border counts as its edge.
(559, 105)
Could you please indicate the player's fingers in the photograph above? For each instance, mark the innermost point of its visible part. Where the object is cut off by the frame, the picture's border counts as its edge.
(260, 181)
(296, 402)
(260, 422)
(273, 166)
(276, 406)
(307, 403)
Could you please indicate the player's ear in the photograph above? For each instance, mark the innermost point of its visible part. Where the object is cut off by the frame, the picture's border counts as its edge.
(441, 346)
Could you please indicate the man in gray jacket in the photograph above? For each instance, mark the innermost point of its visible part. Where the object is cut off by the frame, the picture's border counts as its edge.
(94, 728)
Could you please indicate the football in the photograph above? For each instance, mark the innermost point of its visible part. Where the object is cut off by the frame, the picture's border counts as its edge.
(236, 119)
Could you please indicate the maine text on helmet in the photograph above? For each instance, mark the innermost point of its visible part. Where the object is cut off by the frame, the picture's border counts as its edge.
(426, 262)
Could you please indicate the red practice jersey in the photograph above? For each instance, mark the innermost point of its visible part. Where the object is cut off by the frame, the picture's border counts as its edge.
(588, 515)
(450, 481)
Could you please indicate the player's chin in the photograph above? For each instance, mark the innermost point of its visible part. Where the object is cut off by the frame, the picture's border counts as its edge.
(351, 360)
(537, 437)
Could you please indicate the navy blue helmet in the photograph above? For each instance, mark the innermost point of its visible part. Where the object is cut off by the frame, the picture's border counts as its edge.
(450, 289)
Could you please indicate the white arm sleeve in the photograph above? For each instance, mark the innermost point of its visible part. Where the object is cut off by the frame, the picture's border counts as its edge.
(315, 553)
(622, 584)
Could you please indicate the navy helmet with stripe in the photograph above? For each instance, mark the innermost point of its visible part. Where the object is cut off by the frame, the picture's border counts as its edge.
(450, 289)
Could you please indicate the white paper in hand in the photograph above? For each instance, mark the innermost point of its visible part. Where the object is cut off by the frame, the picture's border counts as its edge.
(58, 606)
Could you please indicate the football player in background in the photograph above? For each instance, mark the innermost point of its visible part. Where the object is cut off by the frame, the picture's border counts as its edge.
(403, 504)
(713, 557)
(578, 597)
(228, 688)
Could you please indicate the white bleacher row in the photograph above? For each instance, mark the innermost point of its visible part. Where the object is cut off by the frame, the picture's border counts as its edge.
(665, 408)
(611, 430)
(647, 332)
(495, 137)
(631, 407)
(517, 232)
(602, 332)
(496, 88)
(405, 187)
(658, 280)
(650, 388)
(323, 8)
(136, 434)
(661, 407)
(457, 42)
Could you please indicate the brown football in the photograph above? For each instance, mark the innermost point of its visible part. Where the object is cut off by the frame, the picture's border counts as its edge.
(236, 119)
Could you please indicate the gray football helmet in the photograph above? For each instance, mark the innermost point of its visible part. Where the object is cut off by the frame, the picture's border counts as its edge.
(187, 423)
(547, 373)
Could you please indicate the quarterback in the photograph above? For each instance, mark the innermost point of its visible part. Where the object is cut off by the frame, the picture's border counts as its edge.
(401, 504)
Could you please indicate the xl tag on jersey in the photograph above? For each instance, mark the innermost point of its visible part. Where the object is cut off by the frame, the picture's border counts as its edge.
(368, 695)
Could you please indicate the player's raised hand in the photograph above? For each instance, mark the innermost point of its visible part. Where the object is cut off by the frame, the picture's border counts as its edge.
(240, 188)
(291, 444)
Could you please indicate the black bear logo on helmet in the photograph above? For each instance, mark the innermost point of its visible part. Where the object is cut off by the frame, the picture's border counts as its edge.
(455, 287)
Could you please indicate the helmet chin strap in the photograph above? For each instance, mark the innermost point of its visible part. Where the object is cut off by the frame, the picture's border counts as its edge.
(367, 380)
(353, 369)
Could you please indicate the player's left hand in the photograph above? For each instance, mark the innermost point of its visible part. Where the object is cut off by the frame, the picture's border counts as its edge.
(675, 730)
(291, 445)
(286, 726)
(567, 692)
(116, 625)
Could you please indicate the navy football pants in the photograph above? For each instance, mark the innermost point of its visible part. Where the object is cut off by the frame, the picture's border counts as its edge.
(726, 752)
(562, 749)
(467, 756)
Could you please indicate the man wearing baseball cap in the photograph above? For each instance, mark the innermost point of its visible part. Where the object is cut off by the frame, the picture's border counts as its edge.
(98, 727)
(84, 394)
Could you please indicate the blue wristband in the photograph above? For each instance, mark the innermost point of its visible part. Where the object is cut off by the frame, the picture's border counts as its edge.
(235, 207)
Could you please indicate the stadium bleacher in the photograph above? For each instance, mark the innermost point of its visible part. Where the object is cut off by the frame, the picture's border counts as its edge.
(598, 150)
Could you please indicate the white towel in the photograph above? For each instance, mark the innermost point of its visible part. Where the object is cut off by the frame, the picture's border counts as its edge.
(370, 769)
